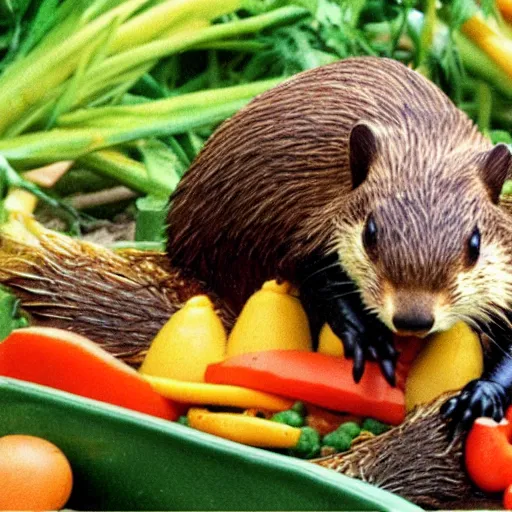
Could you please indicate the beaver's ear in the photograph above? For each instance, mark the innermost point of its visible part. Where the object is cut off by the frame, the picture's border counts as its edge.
(495, 166)
(362, 144)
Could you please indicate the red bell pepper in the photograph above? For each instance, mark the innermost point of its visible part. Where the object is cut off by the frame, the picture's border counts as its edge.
(315, 378)
(62, 360)
(488, 453)
(408, 348)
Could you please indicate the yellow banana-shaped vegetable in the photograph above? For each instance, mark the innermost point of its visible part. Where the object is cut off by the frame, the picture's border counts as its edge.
(329, 344)
(216, 394)
(245, 429)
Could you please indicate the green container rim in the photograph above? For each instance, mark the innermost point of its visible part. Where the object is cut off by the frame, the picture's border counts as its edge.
(123, 459)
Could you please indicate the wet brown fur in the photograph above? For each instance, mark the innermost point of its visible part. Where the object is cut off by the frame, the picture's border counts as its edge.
(274, 186)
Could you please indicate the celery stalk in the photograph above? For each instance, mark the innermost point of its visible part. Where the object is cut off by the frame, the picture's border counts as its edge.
(179, 42)
(27, 105)
(69, 144)
(146, 26)
(427, 36)
(20, 90)
(484, 96)
(125, 170)
(165, 107)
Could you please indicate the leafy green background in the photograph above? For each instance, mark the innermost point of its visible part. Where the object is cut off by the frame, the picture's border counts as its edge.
(290, 36)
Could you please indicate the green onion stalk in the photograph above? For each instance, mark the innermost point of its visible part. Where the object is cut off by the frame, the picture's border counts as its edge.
(100, 56)
(87, 132)
(79, 40)
(92, 55)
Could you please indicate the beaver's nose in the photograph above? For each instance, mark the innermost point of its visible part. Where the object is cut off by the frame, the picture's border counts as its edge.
(413, 323)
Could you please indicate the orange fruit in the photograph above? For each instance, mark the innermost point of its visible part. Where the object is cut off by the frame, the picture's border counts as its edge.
(34, 474)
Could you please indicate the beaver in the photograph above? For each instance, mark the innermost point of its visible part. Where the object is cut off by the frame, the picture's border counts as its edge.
(364, 185)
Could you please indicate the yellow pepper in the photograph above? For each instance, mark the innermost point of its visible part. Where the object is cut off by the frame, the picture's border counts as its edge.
(216, 394)
(245, 429)
(449, 360)
(272, 319)
(329, 344)
(192, 339)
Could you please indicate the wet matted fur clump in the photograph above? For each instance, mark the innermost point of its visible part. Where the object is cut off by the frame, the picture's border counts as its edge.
(118, 299)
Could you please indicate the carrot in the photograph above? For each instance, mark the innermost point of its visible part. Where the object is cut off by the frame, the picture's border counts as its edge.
(62, 360)
(315, 378)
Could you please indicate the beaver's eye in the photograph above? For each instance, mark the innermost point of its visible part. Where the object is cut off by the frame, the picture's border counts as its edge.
(473, 247)
(370, 236)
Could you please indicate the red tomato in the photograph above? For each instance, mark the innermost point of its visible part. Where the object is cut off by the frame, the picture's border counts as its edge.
(507, 498)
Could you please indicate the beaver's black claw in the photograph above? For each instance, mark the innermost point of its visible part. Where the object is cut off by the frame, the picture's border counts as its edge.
(330, 296)
(478, 398)
(364, 338)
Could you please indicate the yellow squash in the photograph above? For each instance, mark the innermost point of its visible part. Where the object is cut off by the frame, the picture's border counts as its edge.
(192, 339)
(272, 319)
(245, 429)
(328, 343)
(448, 362)
(216, 394)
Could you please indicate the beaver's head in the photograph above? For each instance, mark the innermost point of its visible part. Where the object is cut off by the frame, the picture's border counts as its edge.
(425, 241)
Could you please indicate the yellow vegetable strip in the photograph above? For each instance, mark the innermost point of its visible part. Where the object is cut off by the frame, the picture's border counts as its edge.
(498, 47)
(244, 429)
(146, 26)
(216, 394)
(20, 201)
(48, 175)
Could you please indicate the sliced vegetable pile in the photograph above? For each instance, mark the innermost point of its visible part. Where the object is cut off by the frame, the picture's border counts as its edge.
(115, 99)
(268, 358)
(284, 397)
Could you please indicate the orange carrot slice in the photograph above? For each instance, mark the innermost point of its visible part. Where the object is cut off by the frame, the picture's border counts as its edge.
(63, 360)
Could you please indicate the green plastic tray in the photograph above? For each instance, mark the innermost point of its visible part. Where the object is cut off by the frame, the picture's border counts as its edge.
(131, 461)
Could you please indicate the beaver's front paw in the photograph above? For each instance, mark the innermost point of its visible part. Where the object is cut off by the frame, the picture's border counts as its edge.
(329, 295)
(478, 398)
(363, 337)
